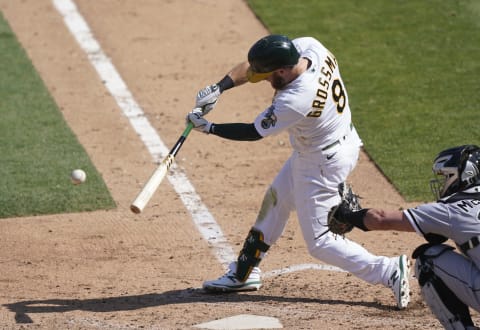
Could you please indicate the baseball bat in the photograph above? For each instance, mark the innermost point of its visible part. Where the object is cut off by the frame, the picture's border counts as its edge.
(157, 177)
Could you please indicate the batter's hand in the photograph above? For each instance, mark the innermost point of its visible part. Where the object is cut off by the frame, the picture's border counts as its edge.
(199, 123)
(207, 98)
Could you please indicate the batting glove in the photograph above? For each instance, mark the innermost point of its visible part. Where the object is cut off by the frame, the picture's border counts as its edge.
(199, 123)
(207, 98)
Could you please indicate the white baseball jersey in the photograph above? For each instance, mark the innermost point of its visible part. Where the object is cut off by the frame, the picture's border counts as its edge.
(314, 107)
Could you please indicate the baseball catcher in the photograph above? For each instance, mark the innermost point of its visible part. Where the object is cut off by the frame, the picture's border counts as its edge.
(448, 276)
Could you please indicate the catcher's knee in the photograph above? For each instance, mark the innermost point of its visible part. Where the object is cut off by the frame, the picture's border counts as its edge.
(251, 254)
(424, 255)
(444, 304)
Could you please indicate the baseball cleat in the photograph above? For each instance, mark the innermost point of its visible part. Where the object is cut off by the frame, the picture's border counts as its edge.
(229, 282)
(399, 282)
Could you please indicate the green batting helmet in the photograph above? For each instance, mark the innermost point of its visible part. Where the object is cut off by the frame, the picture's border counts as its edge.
(269, 54)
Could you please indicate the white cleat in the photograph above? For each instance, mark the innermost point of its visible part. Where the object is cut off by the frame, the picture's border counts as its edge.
(229, 282)
(399, 282)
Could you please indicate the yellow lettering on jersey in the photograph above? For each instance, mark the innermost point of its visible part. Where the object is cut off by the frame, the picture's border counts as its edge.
(324, 83)
(332, 64)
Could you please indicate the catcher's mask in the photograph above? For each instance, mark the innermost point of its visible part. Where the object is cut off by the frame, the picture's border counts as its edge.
(456, 169)
(270, 53)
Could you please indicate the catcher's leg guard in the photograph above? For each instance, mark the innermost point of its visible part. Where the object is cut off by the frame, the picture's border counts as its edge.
(251, 254)
(444, 304)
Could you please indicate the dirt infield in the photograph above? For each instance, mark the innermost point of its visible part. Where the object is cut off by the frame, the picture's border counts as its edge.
(117, 270)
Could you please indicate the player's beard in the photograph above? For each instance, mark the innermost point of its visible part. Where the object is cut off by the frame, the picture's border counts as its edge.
(277, 81)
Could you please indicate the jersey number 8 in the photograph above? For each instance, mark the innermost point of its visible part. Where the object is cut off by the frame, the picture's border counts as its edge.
(338, 95)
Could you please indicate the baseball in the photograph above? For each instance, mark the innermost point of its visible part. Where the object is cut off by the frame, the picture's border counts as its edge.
(78, 176)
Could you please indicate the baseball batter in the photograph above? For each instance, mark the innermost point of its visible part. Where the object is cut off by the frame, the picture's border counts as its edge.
(449, 280)
(311, 103)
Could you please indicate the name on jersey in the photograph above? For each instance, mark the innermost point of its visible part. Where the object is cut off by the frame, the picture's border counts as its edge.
(468, 205)
(324, 84)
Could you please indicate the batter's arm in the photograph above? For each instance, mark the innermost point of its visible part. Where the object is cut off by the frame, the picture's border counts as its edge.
(236, 131)
(207, 97)
(235, 77)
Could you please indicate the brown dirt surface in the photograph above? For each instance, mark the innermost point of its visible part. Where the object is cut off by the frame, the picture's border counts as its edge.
(116, 270)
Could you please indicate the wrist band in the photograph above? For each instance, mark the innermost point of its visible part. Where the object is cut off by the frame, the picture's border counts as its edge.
(225, 83)
(356, 218)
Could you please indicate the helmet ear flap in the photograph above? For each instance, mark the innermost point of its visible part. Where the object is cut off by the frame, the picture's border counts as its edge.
(469, 172)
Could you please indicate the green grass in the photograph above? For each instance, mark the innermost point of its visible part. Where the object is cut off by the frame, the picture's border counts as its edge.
(411, 69)
(38, 150)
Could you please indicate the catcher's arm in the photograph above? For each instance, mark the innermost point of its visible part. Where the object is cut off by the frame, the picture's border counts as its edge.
(377, 219)
(349, 214)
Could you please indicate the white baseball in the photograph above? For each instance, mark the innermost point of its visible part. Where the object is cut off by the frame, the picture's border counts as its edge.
(78, 176)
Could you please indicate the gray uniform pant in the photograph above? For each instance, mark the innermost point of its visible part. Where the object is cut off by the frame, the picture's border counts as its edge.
(460, 275)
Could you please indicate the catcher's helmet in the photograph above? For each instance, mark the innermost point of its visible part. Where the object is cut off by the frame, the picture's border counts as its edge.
(269, 54)
(459, 168)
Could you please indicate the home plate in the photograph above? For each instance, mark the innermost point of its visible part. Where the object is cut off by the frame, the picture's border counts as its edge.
(243, 321)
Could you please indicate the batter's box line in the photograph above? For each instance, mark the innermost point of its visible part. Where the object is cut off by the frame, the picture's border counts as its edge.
(301, 267)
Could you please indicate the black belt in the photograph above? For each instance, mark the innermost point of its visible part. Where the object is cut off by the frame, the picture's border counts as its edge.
(470, 244)
(338, 141)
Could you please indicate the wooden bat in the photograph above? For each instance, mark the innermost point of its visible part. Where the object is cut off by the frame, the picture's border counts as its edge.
(157, 177)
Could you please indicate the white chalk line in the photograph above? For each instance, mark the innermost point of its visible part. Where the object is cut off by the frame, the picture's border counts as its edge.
(202, 218)
(301, 267)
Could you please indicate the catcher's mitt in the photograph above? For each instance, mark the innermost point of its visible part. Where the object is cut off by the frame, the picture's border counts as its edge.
(338, 215)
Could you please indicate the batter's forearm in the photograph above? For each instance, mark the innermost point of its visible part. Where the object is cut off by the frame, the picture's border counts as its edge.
(238, 74)
(225, 83)
(236, 131)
